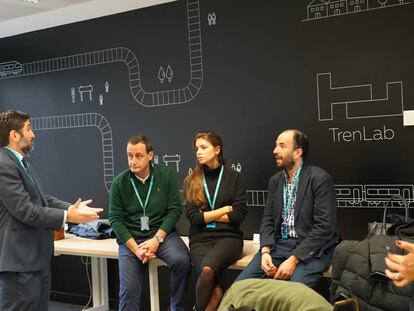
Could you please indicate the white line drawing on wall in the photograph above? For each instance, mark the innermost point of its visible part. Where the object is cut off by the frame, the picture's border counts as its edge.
(172, 159)
(100, 100)
(319, 9)
(10, 69)
(161, 74)
(358, 99)
(256, 198)
(211, 18)
(85, 89)
(126, 56)
(236, 167)
(156, 160)
(106, 87)
(353, 195)
(84, 120)
(169, 73)
(190, 171)
(73, 94)
(372, 195)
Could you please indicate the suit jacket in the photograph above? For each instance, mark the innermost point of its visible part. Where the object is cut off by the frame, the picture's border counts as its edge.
(315, 213)
(27, 218)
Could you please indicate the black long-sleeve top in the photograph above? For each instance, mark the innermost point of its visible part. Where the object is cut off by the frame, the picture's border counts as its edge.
(232, 192)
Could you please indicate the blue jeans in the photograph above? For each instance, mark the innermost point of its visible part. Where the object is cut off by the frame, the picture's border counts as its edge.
(307, 272)
(174, 253)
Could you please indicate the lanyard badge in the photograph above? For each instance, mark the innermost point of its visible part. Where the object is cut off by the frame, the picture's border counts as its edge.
(212, 203)
(284, 230)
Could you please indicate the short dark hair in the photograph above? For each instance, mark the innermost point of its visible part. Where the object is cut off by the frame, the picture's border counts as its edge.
(141, 139)
(301, 141)
(11, 120)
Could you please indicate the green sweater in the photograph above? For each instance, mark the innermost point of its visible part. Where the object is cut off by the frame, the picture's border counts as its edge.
(163, 208)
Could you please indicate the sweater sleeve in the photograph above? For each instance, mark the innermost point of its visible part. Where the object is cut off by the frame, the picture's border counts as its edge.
(239, 203)
(174, 204)
(194, 215)
(117, 214)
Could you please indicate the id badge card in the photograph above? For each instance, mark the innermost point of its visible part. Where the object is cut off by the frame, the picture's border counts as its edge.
(144, 223)
(284, 230)
(211, 225)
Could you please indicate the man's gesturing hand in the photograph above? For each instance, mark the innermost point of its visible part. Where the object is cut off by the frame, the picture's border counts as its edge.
(80, 212)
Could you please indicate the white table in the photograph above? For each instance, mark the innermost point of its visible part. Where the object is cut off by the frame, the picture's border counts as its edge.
(101, 250)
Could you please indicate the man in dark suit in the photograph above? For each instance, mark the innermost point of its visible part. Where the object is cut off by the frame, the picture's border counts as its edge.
(28, 217)
(298, 232)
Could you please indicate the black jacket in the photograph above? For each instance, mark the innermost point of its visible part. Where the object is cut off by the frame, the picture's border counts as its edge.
(358, 272)
(315, 213)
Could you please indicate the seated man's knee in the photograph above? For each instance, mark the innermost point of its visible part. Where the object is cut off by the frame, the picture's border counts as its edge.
(180, 262)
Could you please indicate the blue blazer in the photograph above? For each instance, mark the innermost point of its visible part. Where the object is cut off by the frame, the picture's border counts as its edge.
(27, 218)
(315, 213)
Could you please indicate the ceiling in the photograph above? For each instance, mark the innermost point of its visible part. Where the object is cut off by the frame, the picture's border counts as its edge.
(18, 16)
(10, 9)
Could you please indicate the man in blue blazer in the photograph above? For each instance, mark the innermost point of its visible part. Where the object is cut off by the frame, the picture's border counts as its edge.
(298, 232)
(28, 217)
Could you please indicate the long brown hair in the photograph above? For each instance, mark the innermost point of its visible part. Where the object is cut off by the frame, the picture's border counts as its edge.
(193, 184)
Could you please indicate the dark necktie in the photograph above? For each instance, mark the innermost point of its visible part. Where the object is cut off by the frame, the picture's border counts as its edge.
(27, 168)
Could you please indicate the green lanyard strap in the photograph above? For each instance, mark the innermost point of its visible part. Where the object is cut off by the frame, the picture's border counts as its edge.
(213, 203)
(288, 202)
(148, 194)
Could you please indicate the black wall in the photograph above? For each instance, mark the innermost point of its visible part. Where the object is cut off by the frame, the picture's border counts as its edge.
(258, 68)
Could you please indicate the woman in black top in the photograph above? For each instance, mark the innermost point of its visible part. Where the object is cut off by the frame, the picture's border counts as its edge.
(215, 205)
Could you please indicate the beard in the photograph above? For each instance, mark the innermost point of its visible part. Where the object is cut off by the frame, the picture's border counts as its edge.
(28, 147)
(287, 163)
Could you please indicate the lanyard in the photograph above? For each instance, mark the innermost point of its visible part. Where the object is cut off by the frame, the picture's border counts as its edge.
(148, 194)
(212, 203)
(288, 202)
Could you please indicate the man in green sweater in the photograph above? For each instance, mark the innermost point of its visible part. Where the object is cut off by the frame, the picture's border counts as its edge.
(144, 206)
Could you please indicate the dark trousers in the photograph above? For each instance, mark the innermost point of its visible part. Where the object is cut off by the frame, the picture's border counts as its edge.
(24, 291)
(131, 274)
(307, 272)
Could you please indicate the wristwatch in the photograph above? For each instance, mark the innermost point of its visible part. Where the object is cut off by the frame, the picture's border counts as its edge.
(160, 239)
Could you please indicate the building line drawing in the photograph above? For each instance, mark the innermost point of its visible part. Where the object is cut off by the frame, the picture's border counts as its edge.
(84, 120)
(100, 99)
(85, 89)
(320, 9)
(126, 56)
(356, 97)
(106, 87)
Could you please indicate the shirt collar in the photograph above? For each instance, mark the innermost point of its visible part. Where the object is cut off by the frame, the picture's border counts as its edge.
(144, 180)
(286, 176)
(17, 154)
